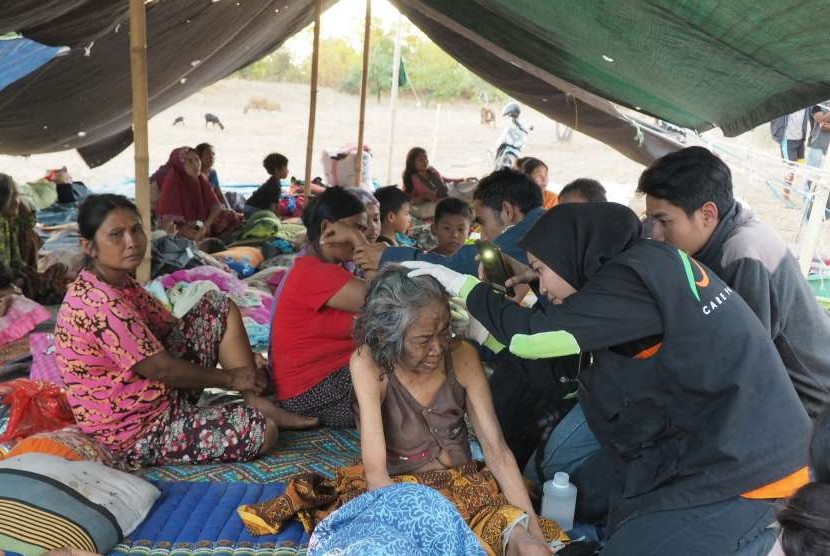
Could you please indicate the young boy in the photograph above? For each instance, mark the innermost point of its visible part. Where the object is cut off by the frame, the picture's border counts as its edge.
(394, 213)
(451, 226)
(267, 197)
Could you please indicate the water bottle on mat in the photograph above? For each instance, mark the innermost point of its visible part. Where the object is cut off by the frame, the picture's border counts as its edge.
(559, 500)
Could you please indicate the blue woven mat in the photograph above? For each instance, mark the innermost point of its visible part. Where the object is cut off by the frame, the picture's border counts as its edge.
(199, 518)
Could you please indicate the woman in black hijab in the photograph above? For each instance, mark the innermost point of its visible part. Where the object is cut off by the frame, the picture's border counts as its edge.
(686, 393)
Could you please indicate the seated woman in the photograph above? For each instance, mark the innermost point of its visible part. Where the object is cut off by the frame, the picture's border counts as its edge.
(131, 368)
(538, 172)
(187, 199)
(311, 334)
(207, 155)
(414, 385)
(19, 244)
(421, 181)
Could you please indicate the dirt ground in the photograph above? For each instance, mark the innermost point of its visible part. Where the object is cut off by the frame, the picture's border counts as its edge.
(458, 145)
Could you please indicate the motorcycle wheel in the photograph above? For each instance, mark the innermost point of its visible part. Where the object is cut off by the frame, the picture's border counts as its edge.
(505, 159)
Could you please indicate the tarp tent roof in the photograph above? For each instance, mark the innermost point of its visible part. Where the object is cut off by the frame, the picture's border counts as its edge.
(83, 99)
(732, 63)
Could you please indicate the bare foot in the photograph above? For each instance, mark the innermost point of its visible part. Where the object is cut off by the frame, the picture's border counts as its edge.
(287, 420)
(522, 543)
(284, 419)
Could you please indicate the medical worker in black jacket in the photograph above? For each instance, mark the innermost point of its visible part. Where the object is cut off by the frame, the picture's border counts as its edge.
(686, 391)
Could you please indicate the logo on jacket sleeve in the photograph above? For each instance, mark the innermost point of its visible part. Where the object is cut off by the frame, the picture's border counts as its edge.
(698, 279)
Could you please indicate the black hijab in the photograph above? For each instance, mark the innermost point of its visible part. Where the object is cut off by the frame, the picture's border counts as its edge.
(576, 239)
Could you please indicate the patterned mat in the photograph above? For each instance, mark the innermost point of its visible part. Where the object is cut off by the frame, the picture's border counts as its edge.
(199, 518)
(320, 451)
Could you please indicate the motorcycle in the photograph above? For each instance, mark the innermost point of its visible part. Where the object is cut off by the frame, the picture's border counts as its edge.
(512, 138)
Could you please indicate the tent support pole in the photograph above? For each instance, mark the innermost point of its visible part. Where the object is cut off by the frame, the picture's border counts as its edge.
(138, 72)
(312, 108)
(393, 97)
(812, 237)
(364, 78)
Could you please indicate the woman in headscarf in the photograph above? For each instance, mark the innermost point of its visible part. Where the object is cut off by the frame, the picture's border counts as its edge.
(685, 393)
(19, 244)
(188, 200)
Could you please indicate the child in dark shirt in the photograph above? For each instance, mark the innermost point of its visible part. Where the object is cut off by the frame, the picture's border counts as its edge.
(453, 218)
(394, 213)
(268, 195)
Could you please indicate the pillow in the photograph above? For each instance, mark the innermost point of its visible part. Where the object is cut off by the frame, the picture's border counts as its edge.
(69, 443)
(44, 361)
(252, 255)
(22, 317)
(47, 502)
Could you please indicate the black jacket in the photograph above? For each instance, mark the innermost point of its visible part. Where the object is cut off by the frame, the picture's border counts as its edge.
(711, 416)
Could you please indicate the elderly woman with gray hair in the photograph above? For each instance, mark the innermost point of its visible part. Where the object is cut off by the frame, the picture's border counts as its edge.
(414, 384)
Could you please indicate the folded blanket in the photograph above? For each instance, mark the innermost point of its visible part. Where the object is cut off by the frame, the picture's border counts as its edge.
(397, 520)
(472, 488)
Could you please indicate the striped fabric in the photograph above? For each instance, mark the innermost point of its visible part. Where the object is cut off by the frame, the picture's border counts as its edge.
(38, 514)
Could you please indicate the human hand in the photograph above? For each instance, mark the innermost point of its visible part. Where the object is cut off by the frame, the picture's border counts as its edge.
(263, 370)
(522, 274)
(451, 280)
(339, 232)
(368, 256)
(534, 528)
(243, 379)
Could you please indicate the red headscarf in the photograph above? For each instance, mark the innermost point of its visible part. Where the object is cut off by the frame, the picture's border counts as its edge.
(182, 195)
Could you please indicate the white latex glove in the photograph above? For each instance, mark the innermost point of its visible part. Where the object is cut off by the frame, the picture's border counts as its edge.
(466, 325)
(451, 280)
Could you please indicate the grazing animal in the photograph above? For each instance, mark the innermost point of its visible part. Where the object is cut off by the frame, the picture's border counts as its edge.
(261, 103)
(213, 119)
(488, 117)
(179, 120)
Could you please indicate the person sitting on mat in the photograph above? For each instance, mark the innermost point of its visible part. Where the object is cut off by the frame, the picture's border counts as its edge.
(131, 369)
(413, 385)
(311, 332)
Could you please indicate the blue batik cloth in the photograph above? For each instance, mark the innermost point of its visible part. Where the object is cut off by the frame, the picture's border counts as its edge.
(399, 520)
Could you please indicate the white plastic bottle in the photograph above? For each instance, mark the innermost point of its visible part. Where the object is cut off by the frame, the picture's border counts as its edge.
(559, 500)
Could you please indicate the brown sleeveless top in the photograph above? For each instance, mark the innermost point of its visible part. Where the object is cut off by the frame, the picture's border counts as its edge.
(415, 434)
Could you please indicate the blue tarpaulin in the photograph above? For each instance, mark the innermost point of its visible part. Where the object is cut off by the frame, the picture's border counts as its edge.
(19, 57)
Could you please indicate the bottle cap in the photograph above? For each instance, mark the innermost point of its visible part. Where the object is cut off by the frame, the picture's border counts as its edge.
(561, 479)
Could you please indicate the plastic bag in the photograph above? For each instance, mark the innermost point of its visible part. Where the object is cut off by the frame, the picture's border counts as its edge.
(35, 406)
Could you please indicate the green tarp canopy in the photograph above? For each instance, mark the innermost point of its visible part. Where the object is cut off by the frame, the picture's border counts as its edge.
(698, 64)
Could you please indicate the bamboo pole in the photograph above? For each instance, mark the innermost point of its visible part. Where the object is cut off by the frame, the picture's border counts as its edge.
(812, 236)
(393, 97)
(138, 72)
(312, 108)
(363, 82)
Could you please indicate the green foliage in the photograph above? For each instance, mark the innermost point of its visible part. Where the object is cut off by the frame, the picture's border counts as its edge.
(276, 66)
(430, 71)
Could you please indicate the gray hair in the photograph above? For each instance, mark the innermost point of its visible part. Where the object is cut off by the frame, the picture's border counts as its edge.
(392, 305)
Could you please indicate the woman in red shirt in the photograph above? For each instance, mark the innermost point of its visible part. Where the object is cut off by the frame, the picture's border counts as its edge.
(311, 334)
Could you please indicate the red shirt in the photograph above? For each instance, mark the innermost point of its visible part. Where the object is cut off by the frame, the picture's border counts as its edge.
(309, 341)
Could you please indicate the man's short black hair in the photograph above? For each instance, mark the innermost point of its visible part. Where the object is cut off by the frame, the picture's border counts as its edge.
(508, 185)
(450, 206)
(391, 199)
(689, 178)
(274, 162)
(590, 189)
